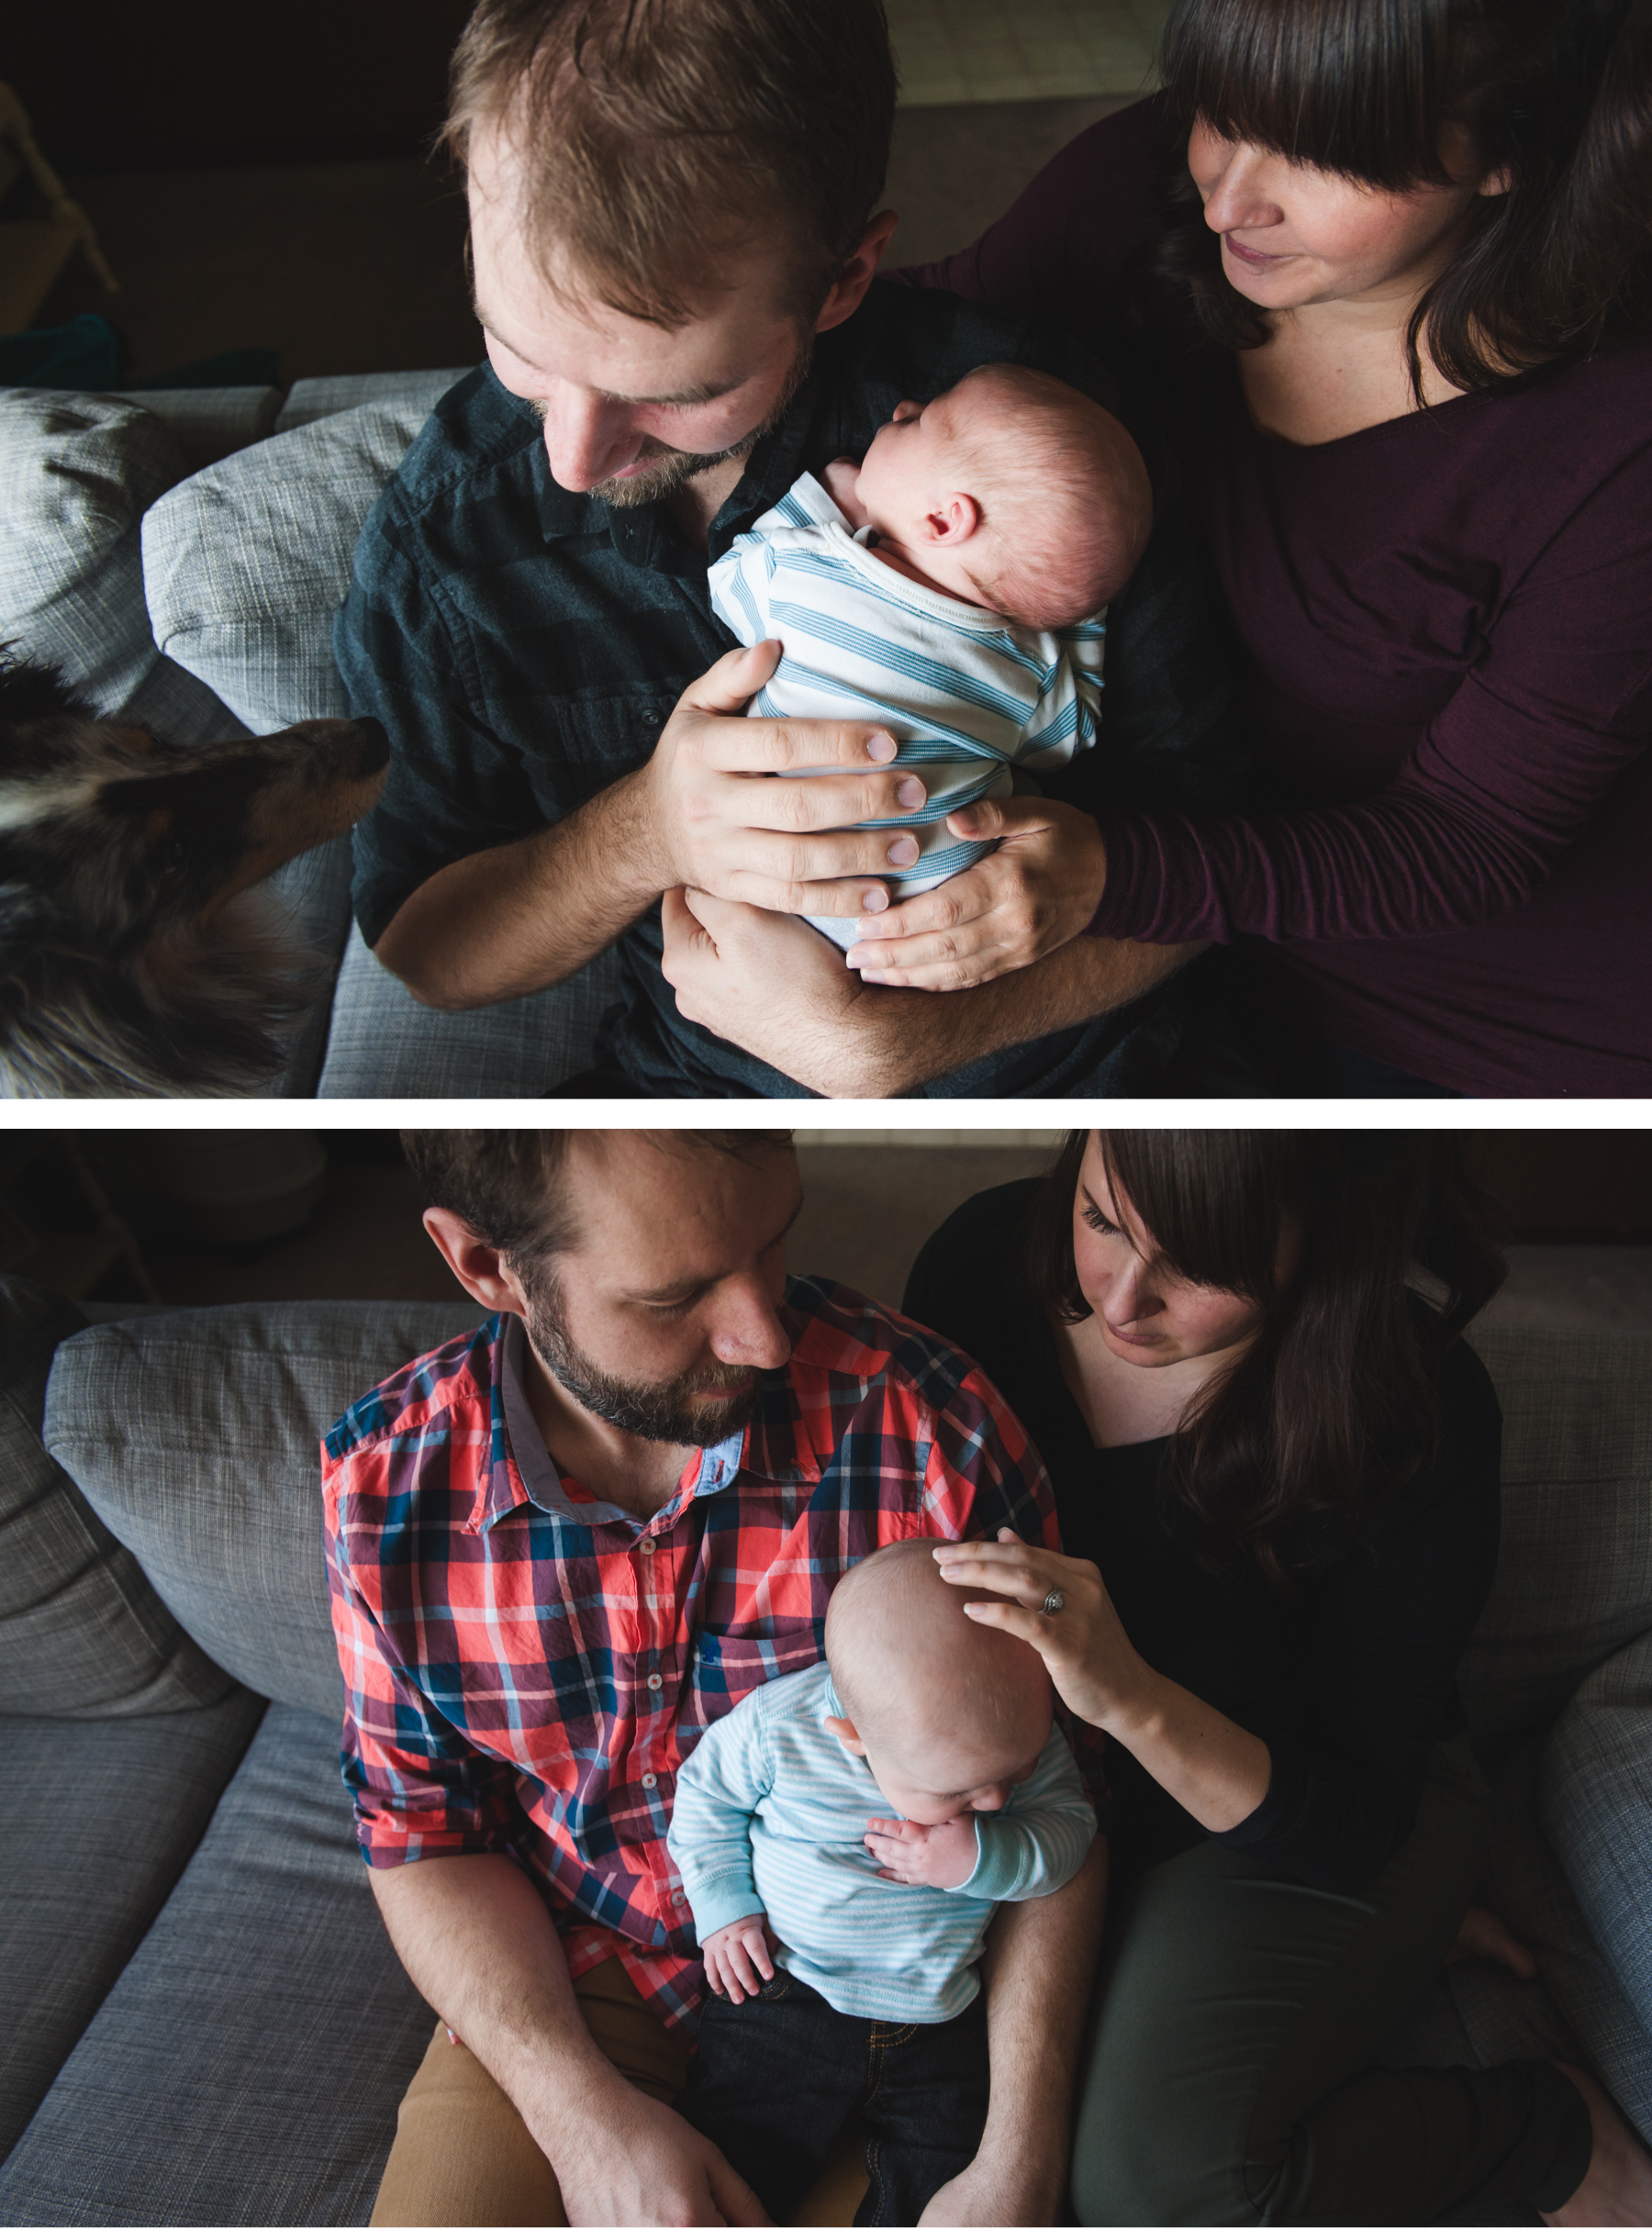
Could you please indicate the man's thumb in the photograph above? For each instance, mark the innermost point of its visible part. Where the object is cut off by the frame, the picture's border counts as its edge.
(735, 679)
(733, 2195)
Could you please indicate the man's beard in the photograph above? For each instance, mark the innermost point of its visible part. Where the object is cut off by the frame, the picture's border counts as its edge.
(660, 1409)
(669, 468)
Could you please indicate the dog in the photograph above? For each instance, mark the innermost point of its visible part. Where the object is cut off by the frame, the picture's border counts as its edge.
(135, 956)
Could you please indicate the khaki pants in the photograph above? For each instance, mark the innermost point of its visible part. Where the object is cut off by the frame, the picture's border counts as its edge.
(462, 2155)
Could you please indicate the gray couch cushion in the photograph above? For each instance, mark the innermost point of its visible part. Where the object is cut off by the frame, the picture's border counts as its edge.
(1574, 1579)
(310, 399)
(98, 1823)
(82, 1634)
(195, 1437)
(246, 564)
(208, 423)
(77, 473)
(1594, 1792)
(247, 2066)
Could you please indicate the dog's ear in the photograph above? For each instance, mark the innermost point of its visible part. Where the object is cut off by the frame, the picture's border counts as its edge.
(31, 690)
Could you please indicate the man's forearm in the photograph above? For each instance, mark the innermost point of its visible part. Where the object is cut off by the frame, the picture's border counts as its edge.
(1039, 1967)
(481, 1947)
(915, 1036)
(505, 922)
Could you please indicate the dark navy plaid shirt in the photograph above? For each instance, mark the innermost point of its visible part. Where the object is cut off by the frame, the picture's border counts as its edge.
(524, 647)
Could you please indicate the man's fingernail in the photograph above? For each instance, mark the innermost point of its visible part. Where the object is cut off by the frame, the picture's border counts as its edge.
(881, 747)
(910, 793)
(963, 823)
(903, 851)
(876, 900)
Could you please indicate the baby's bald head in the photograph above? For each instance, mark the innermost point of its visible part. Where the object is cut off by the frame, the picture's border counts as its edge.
(926, 1686)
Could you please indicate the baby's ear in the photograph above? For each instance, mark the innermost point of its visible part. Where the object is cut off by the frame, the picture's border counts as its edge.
(954, 520)
(845, 1731)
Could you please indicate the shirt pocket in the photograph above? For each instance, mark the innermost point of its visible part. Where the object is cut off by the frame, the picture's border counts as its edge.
(601, 738)
(724, 1668)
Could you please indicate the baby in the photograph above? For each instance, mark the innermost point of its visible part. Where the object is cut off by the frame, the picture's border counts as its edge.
(952, 587)
(841, 1944)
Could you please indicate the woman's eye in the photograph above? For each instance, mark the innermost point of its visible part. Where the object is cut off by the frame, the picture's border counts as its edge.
(1098, 1221)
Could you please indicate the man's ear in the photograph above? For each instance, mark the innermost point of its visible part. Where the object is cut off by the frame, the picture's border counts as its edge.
(845, 1731)
(849, 288)
(480, 1268)
(955, 520)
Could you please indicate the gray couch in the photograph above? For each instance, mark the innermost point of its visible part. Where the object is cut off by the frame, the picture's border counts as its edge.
(181, 557)
(204, 2021)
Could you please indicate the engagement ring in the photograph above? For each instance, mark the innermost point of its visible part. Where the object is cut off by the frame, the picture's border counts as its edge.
(1052, 1602)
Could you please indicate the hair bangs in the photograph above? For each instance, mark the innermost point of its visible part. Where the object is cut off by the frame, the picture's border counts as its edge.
(1210, 1200)
(1349, 86)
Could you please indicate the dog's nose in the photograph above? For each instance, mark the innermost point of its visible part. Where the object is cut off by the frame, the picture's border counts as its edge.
(374, 744)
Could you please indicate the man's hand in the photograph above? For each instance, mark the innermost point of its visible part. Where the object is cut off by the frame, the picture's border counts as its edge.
(1483, 1936)
(719, 826)
(940, 1858)
(737, 1958)
(1031, 896)
(636, 2161)
(778, 988)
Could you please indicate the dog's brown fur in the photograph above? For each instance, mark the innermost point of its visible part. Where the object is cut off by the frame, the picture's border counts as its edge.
(135, 956)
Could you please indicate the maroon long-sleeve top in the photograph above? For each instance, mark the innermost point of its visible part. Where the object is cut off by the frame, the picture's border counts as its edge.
(1448, 626)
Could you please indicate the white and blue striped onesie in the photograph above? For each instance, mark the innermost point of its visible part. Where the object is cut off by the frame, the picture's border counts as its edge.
(769, 1812)
(966, 695)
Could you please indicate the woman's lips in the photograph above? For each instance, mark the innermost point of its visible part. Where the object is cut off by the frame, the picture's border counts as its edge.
(1132, 1339)
(1253, 256)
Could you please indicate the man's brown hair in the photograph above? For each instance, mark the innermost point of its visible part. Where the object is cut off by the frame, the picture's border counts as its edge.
(505, 1184)
(659, 137)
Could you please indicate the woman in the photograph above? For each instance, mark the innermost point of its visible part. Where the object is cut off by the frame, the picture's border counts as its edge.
(1276, 1473)
(1385, 266)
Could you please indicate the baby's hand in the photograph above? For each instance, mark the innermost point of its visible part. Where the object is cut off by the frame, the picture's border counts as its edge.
(736, 1954)
(942, 1857)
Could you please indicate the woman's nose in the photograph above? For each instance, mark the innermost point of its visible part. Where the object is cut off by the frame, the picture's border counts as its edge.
(1240, 199)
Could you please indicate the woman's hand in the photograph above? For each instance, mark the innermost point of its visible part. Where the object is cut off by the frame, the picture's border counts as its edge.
(1096, 1673)
(1032, 896)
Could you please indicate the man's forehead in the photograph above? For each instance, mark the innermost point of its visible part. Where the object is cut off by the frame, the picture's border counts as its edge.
(652, 1202)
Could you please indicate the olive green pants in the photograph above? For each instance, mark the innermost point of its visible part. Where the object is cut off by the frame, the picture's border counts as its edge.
(1228, 2076)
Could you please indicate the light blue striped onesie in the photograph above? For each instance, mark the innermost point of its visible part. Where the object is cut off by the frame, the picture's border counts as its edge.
(966, 695)
(769, 1812)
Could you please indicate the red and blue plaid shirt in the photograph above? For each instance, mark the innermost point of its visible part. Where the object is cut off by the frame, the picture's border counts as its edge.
(527, 1668)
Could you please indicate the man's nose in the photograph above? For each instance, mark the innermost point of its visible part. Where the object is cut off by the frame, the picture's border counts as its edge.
(748, 1332)
(585, 438)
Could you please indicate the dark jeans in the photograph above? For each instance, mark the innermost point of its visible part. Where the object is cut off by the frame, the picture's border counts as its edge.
(773, 2080)
(1231, 2074)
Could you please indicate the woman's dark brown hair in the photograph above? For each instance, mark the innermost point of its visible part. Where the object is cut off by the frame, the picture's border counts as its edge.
(1332, 1405)
(1559, 93)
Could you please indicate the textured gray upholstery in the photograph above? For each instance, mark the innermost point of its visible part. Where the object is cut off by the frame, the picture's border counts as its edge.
(208, 423)
(247, 2066)
(1574, 1582)
(384, 1044)
(310, 399)
(1594, 1795)
(195, 1435)
(77, 473)
(98, 1823)
(245, 564)
(82, 1634)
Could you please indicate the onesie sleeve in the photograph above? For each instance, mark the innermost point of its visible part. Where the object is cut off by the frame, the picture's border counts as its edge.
(739, 583)
(718, 1789)
(1039, 1842)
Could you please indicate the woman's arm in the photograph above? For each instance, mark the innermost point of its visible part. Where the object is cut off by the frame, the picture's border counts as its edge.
(1506, 777)
(1214, 1769)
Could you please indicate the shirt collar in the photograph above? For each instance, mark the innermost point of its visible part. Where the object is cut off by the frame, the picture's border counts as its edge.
(521, 1468)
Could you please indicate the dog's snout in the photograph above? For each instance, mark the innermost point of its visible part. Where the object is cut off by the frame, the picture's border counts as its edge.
(365, 740)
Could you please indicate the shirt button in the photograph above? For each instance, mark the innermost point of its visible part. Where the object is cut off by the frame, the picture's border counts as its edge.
(678, 1897)
(650, 1780)
(655, 1682)
(647, 1547)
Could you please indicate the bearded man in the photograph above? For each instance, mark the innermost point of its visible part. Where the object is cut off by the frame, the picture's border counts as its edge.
(559, 1548)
